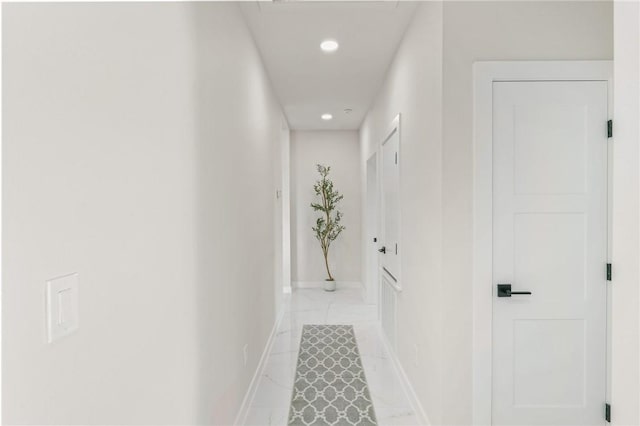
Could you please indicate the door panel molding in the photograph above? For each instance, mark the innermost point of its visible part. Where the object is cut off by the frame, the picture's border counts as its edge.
(485, 74)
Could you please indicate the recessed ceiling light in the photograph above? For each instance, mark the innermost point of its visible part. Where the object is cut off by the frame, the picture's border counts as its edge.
(329, 46)
(326, 117)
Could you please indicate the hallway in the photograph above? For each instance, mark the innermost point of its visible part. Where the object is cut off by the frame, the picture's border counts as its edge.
(271, 401)
(167, 212)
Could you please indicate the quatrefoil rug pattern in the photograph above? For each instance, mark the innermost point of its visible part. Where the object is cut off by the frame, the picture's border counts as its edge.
(330, 387)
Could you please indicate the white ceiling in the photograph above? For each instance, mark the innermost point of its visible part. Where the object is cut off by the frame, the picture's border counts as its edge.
(310, 82)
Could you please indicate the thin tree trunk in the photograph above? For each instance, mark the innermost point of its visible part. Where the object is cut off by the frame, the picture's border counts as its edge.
(326, 264)
(325, 249)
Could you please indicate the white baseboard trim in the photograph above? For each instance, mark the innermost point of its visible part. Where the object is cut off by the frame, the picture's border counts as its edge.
(286, 290)
(241, 417)
(320, 284)
(416, 406)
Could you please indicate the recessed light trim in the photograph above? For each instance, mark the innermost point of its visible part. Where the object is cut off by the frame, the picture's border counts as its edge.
(326, 117)
(329, 45)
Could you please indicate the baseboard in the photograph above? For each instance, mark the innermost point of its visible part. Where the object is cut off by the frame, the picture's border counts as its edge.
(406, 384)
(286, 290)
(241, 417)
(320, 284)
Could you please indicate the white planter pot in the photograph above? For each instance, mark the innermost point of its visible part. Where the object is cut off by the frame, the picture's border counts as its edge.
(329, 285)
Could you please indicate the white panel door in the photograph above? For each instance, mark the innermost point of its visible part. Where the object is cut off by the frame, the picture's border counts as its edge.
(550, 239)
(371, 244)
(391, 206)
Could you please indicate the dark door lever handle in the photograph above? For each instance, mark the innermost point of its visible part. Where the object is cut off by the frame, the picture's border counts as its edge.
(504, 290)
(382, 250)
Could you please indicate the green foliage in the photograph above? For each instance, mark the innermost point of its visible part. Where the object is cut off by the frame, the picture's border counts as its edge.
(328, 226)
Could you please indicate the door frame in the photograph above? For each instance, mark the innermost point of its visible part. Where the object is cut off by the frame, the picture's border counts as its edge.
(485, 73)
(284, 286)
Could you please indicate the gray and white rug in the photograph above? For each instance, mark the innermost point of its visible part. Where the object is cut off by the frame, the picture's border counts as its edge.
(330, 387)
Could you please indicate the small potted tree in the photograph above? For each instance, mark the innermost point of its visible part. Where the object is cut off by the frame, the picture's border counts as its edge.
(328, 226)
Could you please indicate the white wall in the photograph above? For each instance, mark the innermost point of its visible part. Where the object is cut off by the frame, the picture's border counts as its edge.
(340, 150)
(140, 150)
(413, 88)
(625, 381)
(475, 31)
(432, 75)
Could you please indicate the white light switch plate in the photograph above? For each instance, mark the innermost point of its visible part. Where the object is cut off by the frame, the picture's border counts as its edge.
(62, 306)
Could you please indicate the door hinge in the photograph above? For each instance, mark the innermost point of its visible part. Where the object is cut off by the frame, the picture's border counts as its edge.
(396, 248)
(610, 129)
(607, 412)
(396, 158)
(608, 272)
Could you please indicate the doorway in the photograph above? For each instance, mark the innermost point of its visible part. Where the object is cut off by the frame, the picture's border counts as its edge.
(390, 200)
(541, 243)
(389, 239)
(371, 241)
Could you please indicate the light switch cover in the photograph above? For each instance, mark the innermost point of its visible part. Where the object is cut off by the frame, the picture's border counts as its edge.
(62, 306)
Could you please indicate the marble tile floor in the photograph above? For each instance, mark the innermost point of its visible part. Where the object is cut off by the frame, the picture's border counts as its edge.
(270, 405)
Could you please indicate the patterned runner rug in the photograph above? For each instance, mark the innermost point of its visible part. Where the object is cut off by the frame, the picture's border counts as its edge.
(330, 387)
